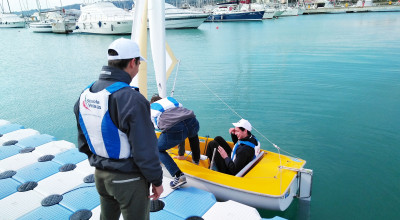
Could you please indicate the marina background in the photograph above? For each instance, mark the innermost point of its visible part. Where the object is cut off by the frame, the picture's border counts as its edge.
(325, 88)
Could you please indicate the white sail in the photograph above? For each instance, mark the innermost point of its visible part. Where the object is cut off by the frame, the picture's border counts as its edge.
(157, 42)
(163, 58)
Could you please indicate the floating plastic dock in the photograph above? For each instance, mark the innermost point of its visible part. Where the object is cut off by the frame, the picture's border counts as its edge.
(45, 178)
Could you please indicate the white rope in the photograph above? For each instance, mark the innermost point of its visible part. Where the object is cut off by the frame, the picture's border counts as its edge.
(276, 146)
(176, 74)
(229, 107)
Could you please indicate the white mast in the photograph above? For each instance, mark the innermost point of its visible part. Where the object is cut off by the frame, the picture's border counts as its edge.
(157, 41)
(163, 59)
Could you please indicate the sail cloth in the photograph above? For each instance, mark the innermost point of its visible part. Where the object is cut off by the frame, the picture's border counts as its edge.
(164, 60)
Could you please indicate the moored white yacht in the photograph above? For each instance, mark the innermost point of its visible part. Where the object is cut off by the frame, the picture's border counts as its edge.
(8, 20)
(104, 18)
(270, 10)
(176, 18)
(65, 21)
(233, 12)
(289, 11)
(43, 26)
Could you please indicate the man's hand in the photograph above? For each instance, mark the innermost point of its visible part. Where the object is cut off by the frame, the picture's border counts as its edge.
(157, 190)
(231, 130)
(222, 152)
(180, 157)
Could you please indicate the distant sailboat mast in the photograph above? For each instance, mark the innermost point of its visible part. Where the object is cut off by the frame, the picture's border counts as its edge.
(9, 6)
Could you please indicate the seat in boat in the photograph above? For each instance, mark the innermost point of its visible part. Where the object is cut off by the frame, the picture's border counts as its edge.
(250, 165)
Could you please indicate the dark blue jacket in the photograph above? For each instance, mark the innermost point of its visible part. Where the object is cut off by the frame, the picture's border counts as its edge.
(130, 112)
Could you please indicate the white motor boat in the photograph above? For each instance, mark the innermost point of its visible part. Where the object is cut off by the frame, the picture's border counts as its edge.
(64, 21)
(11, 21)
(104, 18)
(289, 11)
(176, 18)
(41, 26)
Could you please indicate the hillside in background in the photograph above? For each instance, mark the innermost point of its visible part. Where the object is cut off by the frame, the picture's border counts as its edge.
(128, 5)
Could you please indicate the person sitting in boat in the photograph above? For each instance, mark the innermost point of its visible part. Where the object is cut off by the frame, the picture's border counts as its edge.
(246, 148)
(176, 124)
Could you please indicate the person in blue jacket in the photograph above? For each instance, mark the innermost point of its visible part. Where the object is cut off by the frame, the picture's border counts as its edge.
(117, 135)
(176, 124)
(246, 148)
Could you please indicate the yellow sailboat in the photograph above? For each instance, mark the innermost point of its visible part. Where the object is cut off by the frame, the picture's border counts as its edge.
(271, 181)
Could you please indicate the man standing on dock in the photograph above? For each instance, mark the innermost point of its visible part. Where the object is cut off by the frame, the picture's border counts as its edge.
(116, 133)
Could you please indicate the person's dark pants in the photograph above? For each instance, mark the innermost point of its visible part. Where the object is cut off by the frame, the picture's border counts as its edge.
(218, 160)
(124, 193)
(170, 138)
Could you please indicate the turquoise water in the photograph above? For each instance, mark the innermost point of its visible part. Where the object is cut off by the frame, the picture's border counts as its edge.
(325, 88)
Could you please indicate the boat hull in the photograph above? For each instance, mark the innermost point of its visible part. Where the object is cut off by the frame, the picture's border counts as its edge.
(63, 27)
(12, 24)
(41, 27)
(237, 16)
(269, 14)
(109, 27)
(256, 200)
(178, 22)
(290, 12)
(264, 186)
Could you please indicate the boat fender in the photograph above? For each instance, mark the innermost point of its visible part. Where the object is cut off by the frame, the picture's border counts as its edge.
(26, 150)
(7, 174)
(46, 158)
(52, 200)
(30, 185)
(81, 214)
(99, 24)
(156, 205)
(89, 179)
(67, 167)
(112, 27)
(11, 142)
(194, 218)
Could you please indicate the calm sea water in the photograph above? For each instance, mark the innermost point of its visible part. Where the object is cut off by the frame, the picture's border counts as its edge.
(325, 88)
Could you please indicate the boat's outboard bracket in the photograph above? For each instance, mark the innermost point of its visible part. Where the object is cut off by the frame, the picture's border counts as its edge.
(305, 183)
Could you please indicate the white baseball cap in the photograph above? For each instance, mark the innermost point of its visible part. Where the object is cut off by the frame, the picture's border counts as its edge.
(243, 123)
(126, 49)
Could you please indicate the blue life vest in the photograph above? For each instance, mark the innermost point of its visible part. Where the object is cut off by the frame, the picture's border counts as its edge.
(160, 106)
(248, 143)
(103, 137)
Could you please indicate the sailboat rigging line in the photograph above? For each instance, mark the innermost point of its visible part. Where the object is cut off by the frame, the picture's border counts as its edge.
(276, 146)
(280, 171)
(176, 74)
